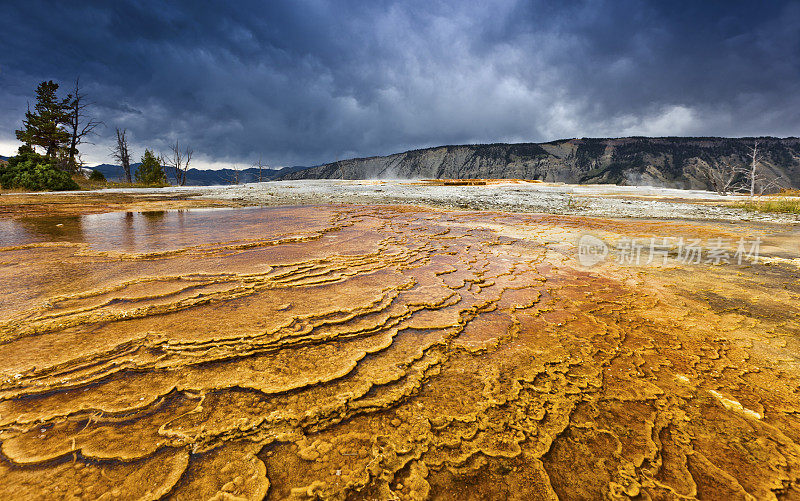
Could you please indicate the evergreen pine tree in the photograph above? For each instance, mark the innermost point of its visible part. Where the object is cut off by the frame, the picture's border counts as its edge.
(150, 170)
(44, 125)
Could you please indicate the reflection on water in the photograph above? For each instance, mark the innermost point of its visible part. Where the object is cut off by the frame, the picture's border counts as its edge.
(41, 229)
(387, 353)
(141, 231)
(154, 216)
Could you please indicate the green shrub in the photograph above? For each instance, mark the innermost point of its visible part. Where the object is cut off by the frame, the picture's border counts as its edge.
(97, 176)
(150, 170)
(31, 171)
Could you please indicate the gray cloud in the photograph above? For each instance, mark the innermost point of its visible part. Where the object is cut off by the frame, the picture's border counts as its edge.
(304, 82)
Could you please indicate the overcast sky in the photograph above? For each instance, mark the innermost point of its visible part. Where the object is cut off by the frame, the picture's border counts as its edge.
(306, 82)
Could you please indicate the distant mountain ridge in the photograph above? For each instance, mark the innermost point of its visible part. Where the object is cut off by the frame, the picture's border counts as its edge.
(201, 177)
(674, 162)
(206, 177)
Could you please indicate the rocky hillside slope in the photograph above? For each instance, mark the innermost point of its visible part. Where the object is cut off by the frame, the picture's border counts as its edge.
(674, 162)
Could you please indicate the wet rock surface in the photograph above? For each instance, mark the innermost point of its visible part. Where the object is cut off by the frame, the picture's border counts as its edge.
(393, 352)
(640, 202)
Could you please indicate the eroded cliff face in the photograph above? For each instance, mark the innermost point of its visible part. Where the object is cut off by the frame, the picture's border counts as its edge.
(667, 162)
(392, 353)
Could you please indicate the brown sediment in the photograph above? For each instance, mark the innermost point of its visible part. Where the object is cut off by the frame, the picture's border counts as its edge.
(392, 353)
(18, 205)
(473, 182)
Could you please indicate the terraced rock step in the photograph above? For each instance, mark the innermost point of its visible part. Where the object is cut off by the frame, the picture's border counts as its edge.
(392, 353)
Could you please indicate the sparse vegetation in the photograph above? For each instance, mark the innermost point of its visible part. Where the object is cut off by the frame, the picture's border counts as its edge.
(97, 176)
(57, 126)
(784, 205)
(150, 172)
(30, 171)
(86, 184)
(573, 204)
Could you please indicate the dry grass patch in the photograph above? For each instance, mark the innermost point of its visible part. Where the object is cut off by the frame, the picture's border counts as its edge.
(786, 205)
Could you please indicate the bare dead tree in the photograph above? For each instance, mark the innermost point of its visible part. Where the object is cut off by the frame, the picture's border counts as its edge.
(179, 161)
(775, 183)
(122, 154)
(765, 179)
(260, 165)
(723, 177)
(164, 162)
(79, 160)
(755, 159)
(760, 178)
(233, 177)
(80, 124)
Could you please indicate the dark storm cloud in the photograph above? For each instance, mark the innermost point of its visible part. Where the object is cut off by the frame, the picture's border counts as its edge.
(309, 81)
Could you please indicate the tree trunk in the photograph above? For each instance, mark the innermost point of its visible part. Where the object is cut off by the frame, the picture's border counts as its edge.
(122, 154)
(73, 145)
(127, 168)
(753, 164)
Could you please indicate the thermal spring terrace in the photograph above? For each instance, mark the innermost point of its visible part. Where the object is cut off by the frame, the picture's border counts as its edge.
(394, 352)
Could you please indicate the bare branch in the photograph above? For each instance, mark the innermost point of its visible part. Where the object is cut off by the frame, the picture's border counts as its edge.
(179, 161)
(233, 177)
(760, 177)
(724, 177)
(260, 165)
(754, 160)
(121, 153)
(81, 125)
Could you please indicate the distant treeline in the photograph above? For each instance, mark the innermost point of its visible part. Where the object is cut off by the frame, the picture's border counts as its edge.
(209, 177)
